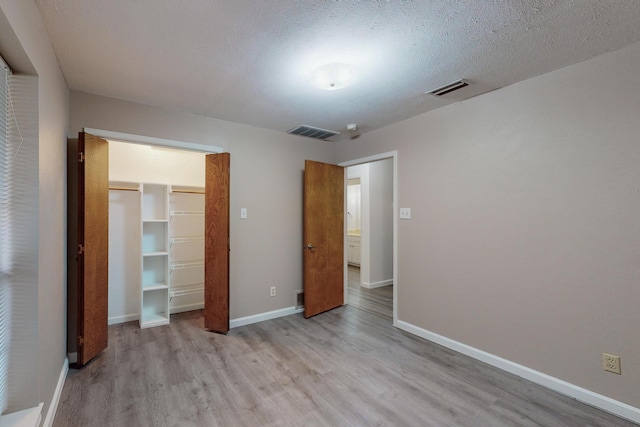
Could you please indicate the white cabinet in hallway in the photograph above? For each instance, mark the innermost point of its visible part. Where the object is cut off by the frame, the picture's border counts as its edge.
(353, 249)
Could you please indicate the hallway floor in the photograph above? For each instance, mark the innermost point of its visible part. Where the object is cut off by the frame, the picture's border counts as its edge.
(378, 301)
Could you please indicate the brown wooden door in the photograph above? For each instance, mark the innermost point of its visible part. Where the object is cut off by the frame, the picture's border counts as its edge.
(216, 249)
(93, 250)
(323, 237)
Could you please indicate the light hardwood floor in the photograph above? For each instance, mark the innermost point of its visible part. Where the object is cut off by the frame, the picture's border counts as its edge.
(378, 301)
(345, 367)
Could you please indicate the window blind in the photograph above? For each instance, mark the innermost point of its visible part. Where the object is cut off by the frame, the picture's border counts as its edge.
(5, 239)
(19, 237)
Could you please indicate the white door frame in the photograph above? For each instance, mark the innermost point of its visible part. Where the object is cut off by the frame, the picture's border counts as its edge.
(388, 155)
(150, 140)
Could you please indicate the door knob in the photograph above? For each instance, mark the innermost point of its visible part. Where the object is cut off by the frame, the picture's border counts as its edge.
(310, 247)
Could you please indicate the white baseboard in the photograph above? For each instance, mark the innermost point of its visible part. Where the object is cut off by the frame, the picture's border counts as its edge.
(114, 320)
(589, 397)
(72, 357)
(242, 321)
(53, 407)
(377, 284)
(123, 319)
(187, 307)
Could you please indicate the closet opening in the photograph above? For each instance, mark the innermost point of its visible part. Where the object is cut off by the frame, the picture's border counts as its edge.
(156, 232)
(137, 243)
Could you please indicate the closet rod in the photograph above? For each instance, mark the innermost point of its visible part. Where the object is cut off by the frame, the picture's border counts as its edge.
(123, 188)
(188, 191)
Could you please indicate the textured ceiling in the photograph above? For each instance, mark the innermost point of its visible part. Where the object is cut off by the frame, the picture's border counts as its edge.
(249, 61)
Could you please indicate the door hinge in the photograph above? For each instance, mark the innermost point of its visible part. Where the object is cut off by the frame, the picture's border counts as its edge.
(80, 341)
(80, 249)
(80, 157)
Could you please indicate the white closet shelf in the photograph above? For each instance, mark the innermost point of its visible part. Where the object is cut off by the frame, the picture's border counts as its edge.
(187, 213)
(124, 186)
(155, 220)
(155, 253)
(186, 239)
(183, 265)
(180, 293)
(154, 319)
(154, 286)
(186, 189)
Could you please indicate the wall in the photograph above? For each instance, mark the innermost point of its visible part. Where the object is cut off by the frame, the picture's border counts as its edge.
(266, 178)
(525, 239)
(381, 222)
(25, 21)
(155, 165)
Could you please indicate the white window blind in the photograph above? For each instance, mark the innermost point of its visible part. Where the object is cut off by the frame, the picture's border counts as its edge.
(5, 238)
(18, 240)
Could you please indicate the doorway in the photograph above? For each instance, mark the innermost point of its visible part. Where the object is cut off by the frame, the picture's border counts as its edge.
(371, 234)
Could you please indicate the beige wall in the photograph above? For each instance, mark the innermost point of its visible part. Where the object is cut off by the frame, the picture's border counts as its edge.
(26, 22)
(525, 233)
(266, 178)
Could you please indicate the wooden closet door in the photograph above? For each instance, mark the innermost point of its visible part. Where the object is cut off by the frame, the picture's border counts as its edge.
(216, 238)
(93, 246)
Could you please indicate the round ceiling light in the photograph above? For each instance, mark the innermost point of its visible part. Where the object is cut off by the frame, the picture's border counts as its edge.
(332, 76)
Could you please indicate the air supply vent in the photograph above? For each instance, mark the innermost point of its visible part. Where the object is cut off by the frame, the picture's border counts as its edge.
(312, 132)
(448, 88)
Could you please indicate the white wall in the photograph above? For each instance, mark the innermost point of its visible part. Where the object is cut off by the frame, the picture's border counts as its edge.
(124, 256)
(266, 178)
(155, 165)
(50, 317)
(525, 238)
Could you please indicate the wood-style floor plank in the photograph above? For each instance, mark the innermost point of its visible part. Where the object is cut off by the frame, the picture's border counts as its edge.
(378, 301)
(345, 367)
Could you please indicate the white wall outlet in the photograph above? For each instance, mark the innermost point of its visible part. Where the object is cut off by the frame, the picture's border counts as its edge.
(611, 363)
(405, 213)
(272, 291)
(243, 213)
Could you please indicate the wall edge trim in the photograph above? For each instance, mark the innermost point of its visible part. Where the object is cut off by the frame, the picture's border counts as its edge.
(578, 393)
(377, 284)
(261, 317)
(53, 407)
(115, 320)
(150, 140)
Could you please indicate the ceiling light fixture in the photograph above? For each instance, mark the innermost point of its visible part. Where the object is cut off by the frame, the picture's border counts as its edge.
(332, 76)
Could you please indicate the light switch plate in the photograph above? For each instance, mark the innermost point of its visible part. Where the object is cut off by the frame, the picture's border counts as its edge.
(243, 213)
(405, 213)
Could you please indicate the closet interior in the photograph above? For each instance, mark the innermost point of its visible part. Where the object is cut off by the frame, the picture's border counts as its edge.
(156, 233)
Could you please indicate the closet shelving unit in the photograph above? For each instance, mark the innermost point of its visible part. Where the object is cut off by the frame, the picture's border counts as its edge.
(155, 277)
(186, 248)
(171, 249)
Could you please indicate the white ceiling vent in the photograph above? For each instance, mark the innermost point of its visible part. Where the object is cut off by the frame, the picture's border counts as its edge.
(312, 132)
(459, 84)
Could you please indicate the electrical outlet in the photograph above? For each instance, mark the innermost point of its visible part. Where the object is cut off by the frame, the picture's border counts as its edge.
(405, 213)
(611, 363)
(273, 291)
